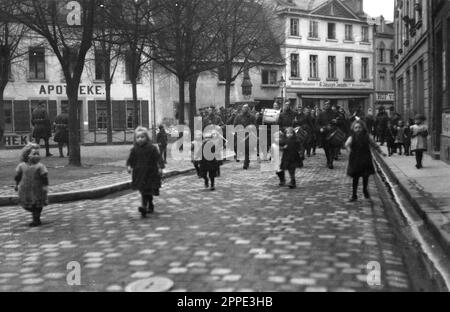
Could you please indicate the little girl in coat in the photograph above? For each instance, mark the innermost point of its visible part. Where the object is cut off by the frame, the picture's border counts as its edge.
(360, 164)
(419, 135)
(145, 164)
(276, 155)
(291, 160)
(32, 182)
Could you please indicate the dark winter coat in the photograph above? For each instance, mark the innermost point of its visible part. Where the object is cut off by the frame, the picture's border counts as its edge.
(291, 148)
(325, 118)
(360, 162)
(245, 119)
(62, 128)
(287, 119)
(146, 161)
(209, 165)
(161, 138)
(42, 128)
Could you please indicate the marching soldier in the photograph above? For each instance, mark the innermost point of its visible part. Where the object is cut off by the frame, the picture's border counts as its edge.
(42, 128)
(62, 132)
(325, 123)
(246, 119)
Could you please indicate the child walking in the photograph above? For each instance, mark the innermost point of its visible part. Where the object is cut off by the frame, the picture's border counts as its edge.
(276, 156)
(291, 159)
(419, 134)
(400, 137)
(162, 140)
(145, 164)
(360, 164)
(32, 183)
(209, 165)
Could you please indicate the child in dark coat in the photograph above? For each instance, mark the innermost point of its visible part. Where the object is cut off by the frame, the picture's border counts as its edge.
(32, 182)
(145, 164)
(360, 164)
(162, 140)
(210, 163)
(291, 160)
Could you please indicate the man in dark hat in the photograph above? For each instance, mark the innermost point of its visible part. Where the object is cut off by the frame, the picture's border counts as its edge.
(42, 128)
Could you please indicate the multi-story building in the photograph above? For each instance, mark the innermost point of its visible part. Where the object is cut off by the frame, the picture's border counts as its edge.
(412, 60)
(440, 53)
(384, 65)
(328, 49)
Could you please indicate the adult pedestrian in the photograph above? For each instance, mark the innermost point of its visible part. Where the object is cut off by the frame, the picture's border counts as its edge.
(42, 128)
(162, 141)
(382, 121)
(327, 123)
(62, 132)
(247, 121)
(419, 134)
(287, 117)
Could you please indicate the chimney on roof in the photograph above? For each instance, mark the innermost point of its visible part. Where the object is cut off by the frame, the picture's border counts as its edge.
(356, 6)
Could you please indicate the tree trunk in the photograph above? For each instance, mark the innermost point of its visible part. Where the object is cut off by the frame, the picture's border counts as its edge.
(2, 116)
(181, 101)
(135, 104)
(109, 134)
(227, 93)
(74, 126)
(192, 102)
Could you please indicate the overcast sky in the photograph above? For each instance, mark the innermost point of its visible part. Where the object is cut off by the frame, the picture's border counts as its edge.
(380, 7)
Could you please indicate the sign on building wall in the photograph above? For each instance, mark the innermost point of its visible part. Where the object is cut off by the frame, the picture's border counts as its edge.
(11, 140)
(332, 85)
(60, 89)
(385, 97)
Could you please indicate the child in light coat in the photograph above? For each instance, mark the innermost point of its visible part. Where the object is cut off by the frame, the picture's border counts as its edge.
(419, 135)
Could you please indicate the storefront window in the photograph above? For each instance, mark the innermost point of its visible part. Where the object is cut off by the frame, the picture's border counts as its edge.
(130, 115)
(102, 120)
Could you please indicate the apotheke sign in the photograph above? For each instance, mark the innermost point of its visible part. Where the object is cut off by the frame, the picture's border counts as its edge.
(60, 89)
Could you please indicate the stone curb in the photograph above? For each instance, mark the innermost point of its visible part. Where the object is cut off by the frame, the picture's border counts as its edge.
(434, 218)
(94, 193)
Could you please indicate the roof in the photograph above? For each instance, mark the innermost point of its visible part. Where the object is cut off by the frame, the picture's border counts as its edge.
(332, 8)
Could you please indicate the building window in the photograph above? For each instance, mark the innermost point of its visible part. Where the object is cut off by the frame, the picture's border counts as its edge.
(37, 63)
(365, 34)
(128, 68)
(71, 55)
(349, 68)
(221, 73)
(99, 65)
(7, 107)
(332, 31)
(269, 77)
(295, 31)
(332, 67)
(295, 73)
(313, 67)
(314, 29)
(364, 68)
(130, 115)
(381, 51)
(391, 56)
(348, 32)
(101, 115)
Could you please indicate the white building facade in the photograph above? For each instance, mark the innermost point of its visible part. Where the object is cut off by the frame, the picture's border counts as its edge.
(329, 54)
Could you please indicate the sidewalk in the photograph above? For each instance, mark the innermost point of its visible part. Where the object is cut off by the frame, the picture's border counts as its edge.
(428, 190)
(104, 178)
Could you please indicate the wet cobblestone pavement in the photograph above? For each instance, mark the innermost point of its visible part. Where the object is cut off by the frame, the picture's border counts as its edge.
(249, 235)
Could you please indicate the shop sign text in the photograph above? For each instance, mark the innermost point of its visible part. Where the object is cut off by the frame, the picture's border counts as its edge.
(92, 90)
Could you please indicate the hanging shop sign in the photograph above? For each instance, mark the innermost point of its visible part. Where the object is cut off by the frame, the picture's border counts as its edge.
(60, 89)
(385, 97)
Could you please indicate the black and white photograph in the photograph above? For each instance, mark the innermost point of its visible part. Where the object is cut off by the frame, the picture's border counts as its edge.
(246, 148)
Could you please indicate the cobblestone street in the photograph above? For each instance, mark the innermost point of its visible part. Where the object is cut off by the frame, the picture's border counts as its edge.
(249, 235)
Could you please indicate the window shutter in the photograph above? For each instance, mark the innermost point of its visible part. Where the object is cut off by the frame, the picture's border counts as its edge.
(145, 114)
(92, 118)
(22, 117)
(52, 113)
(119, 115)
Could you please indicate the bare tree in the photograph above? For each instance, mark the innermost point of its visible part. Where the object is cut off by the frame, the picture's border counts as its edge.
(133, 21)
(185, 46)
(246, 40)
(68, 29)
(11, 35)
